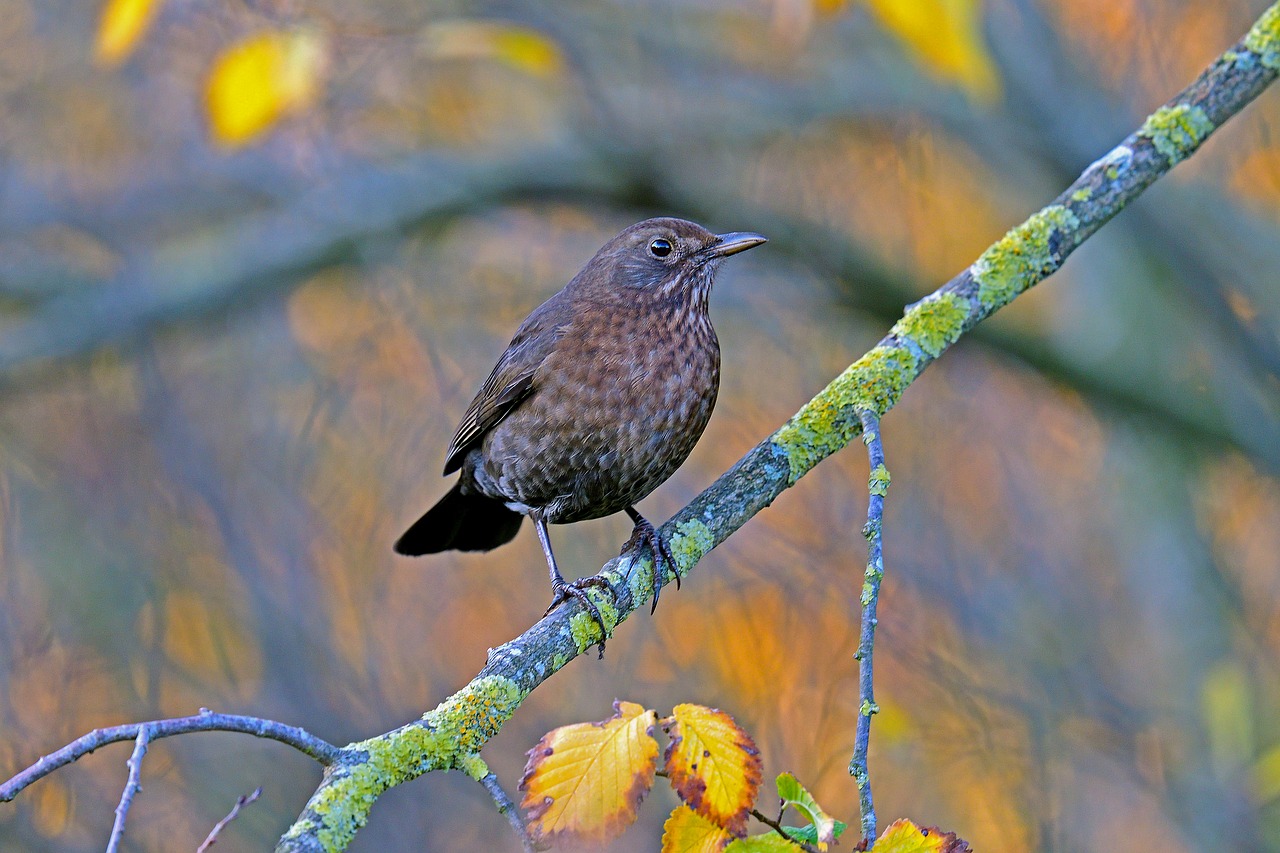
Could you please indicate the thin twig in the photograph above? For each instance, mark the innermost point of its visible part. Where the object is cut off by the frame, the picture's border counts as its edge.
(244, 800)
(508, 809)
(776, 826)
(206, 721)
(877, 487)
(131, 788)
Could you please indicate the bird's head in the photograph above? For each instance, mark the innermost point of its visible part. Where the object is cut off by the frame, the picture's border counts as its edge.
(667, 257)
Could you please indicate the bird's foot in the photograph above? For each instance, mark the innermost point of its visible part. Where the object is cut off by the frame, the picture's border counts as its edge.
(563, 590)
(645, 534)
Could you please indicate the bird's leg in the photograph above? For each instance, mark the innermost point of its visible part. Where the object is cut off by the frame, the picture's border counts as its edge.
(645, 533)
(563, 590)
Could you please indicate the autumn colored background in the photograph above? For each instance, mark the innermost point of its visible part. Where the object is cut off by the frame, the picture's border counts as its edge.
(256, 256)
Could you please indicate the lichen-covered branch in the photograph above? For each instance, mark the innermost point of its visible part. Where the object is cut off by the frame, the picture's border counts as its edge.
(448, 736)
(877, 489)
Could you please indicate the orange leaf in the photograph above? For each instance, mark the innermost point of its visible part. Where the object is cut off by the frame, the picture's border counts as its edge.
(686, 831)
(121, 27)
(903, 836)
(713, 764)
(587, 780)
(258, 80)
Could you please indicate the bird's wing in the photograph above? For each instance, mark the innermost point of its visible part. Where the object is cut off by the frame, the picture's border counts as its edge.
(512, 379)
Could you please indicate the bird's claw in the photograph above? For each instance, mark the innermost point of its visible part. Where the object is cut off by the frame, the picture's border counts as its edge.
(563, 590)
(645, 534)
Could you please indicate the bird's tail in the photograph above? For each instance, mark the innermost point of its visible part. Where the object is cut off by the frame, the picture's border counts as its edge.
(460, 522)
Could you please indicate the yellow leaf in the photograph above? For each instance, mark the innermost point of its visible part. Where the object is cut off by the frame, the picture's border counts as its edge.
(945, 37)
(587, 780)
(521, 48)
(713, 765)
(1266, 776)
(121, 27)
(258, 80)
(1227, 707)
(903, 836)
(686, 831)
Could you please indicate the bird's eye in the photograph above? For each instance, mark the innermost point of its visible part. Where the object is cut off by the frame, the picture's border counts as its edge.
(660, 248)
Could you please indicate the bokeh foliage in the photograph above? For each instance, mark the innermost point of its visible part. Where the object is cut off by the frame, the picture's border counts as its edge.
(232, 359)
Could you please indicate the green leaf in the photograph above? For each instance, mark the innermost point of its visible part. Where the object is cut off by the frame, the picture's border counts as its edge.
(794, 794)
(770, 842)
(809, 834)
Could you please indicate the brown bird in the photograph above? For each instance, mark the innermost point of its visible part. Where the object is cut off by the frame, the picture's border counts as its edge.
(599, 398)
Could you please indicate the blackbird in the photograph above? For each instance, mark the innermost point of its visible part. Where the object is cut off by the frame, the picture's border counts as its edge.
(598, 399)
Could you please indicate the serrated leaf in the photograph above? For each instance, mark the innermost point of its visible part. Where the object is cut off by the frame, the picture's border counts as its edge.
(255, 82)
(903, 836)
(521, 48)
(797, 796)
(945, 37)
(586, 781)
(686, 831)
(713, 765)
(122, 25)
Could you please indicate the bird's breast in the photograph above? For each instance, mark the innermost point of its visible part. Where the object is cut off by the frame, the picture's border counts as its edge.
(617, 407)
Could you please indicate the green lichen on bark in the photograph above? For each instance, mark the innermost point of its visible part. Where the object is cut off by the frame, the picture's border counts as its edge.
(1264, 38)
(690, 543)
(878, 482)
(445, 738)
(1177, 131)
(1021, 258)
(934, 323)
(830, 420)
(586, 631)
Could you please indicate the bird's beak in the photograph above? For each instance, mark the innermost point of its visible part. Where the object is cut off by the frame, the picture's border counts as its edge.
(733, 243)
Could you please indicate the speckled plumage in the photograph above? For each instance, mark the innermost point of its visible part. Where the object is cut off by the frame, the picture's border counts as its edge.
(600, 396)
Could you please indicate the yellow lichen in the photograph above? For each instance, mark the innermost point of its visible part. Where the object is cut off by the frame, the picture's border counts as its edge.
(1264, 38)
(1022, 257)
(830, 420)
(1177, 131)
(934, 323)
(691, 542)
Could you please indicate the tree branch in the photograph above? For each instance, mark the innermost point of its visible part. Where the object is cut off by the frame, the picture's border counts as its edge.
(131, 788)
(206, 721)
(241, 801)
(508, 810)
(877, 488)
(455, 730)
(776, 826)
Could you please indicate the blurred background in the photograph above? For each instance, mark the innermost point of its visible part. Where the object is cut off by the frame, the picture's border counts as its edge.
(256, 256)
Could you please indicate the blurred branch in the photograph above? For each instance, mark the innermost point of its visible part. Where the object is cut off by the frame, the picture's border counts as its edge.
(452, 734)
(206, 721)
(877, 489)
(276, 248)
(241, 801)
